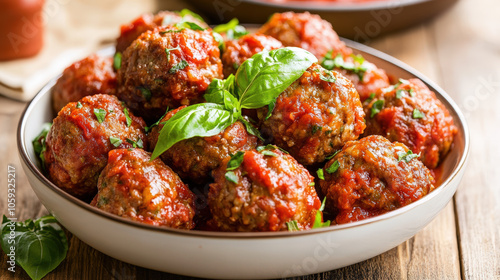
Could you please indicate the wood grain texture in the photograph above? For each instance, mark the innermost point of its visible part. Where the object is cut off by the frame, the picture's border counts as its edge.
(461, 52)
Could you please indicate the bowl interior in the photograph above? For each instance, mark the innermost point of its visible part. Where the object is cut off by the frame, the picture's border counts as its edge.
(39, 111)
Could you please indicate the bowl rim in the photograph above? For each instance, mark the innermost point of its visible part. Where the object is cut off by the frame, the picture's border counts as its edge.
(319, 6)
(253, 235)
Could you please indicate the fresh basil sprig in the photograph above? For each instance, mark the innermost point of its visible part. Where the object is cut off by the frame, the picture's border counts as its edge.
(257, 83)
(39, 246)
(359, 67)
(232, 29)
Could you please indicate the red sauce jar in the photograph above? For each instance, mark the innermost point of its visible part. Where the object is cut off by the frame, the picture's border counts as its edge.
(21, 28)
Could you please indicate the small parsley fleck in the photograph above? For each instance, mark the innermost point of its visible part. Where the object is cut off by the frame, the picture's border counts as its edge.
(231, 177)
(320, 174)
(115, 141)
(127, 117)
(376, 107)
(179, 66)
(333, 167)
(235, 161)
(100, 114)
(79, 105)
(406, 157)
(417, 114)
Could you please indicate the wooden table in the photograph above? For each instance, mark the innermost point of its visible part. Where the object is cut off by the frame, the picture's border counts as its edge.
(461, 52)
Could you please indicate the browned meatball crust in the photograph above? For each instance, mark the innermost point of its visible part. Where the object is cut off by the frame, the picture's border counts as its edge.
(410, 113)
(372, 176)
(313, 118)
(194, 159)
(237, 51)
(134, 187)
(304, 30)
(167, 67)
(268, 191)
(80, 138)
(91, 75)
(129, 32)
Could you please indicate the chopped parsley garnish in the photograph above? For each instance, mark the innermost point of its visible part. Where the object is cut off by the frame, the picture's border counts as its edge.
(127, 117)
(359, 67)
(136, 144)
(320, 174)
(328, 77)
(235, 161)
(292, 226)
(115, 141)
(146, 93)
(332, 156)
(171, 31)
(167, 51)
(311, 184)
(333, 167)
(315, 128)
(370, 98)
(268, 153)
(100, 114)
(190, 25)
(417, 114)
(117, 60)
(232, 29)
(402, 156)
(377, 107)
(79, 105)
(179, 66)
(231, 177)
(319, 216)
(412, 92)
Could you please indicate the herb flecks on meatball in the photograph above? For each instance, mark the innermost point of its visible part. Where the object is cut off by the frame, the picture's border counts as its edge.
(166, 68)
(410, 113)
(265, 192)
(373, 176)
(134, 187)
(91, 75)
(80, 138)
(315, 116)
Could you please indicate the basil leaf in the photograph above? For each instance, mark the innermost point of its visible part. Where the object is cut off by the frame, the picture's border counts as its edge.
(136, 144)
(146, 93)
(190, 25)
(359, 67)
(319, 217)
(407, 156)
(115, 141)
(264, 76)
(117, 60)
(100, 114)
(205, 119)
(127, 117)
(270, 108)
(400, 93)
(268, 153)
(39, 145)
(370, 98)
(333, 167)
(185, 12)
(232, 29)
(167, 51)
(79, 105)
(235, 161)
(220, 41)
(214, 92)
(251, 129)
(320, 174)
(412, 92)
(377, 107)
(39, 246)
(417, 114)
(332, 156)
(231, 177)
(179, 66)
(292, 226)
(226, 26)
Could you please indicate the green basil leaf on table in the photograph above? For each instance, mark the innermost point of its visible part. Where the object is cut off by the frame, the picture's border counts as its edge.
(39, 246)
(205, 119)
(264, 76)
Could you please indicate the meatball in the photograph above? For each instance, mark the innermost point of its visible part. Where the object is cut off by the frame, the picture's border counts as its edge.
(80, 138)
(304, 30)
(167, 67)
(129, 32)
(134, 187)
(193, 159)
(315, 116)
(237, 51)
(366, 77)
(410, 113)
(268, 190)
(91, 75)
(373, 176)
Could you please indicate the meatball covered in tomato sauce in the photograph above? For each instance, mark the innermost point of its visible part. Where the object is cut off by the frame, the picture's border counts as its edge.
(194, 159)
(314, 116)
(91, 75)
(373, 176)
(129, 32)
(304, 30)
(366, 77)
(410, 113)
(237, 51)
(166, 68)
(80, 138)
(134, 187)
(265, 192)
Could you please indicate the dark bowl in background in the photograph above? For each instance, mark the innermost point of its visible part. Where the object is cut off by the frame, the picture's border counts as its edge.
(359, 21)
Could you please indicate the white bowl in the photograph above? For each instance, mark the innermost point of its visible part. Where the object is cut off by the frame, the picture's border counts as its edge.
(243, 255)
